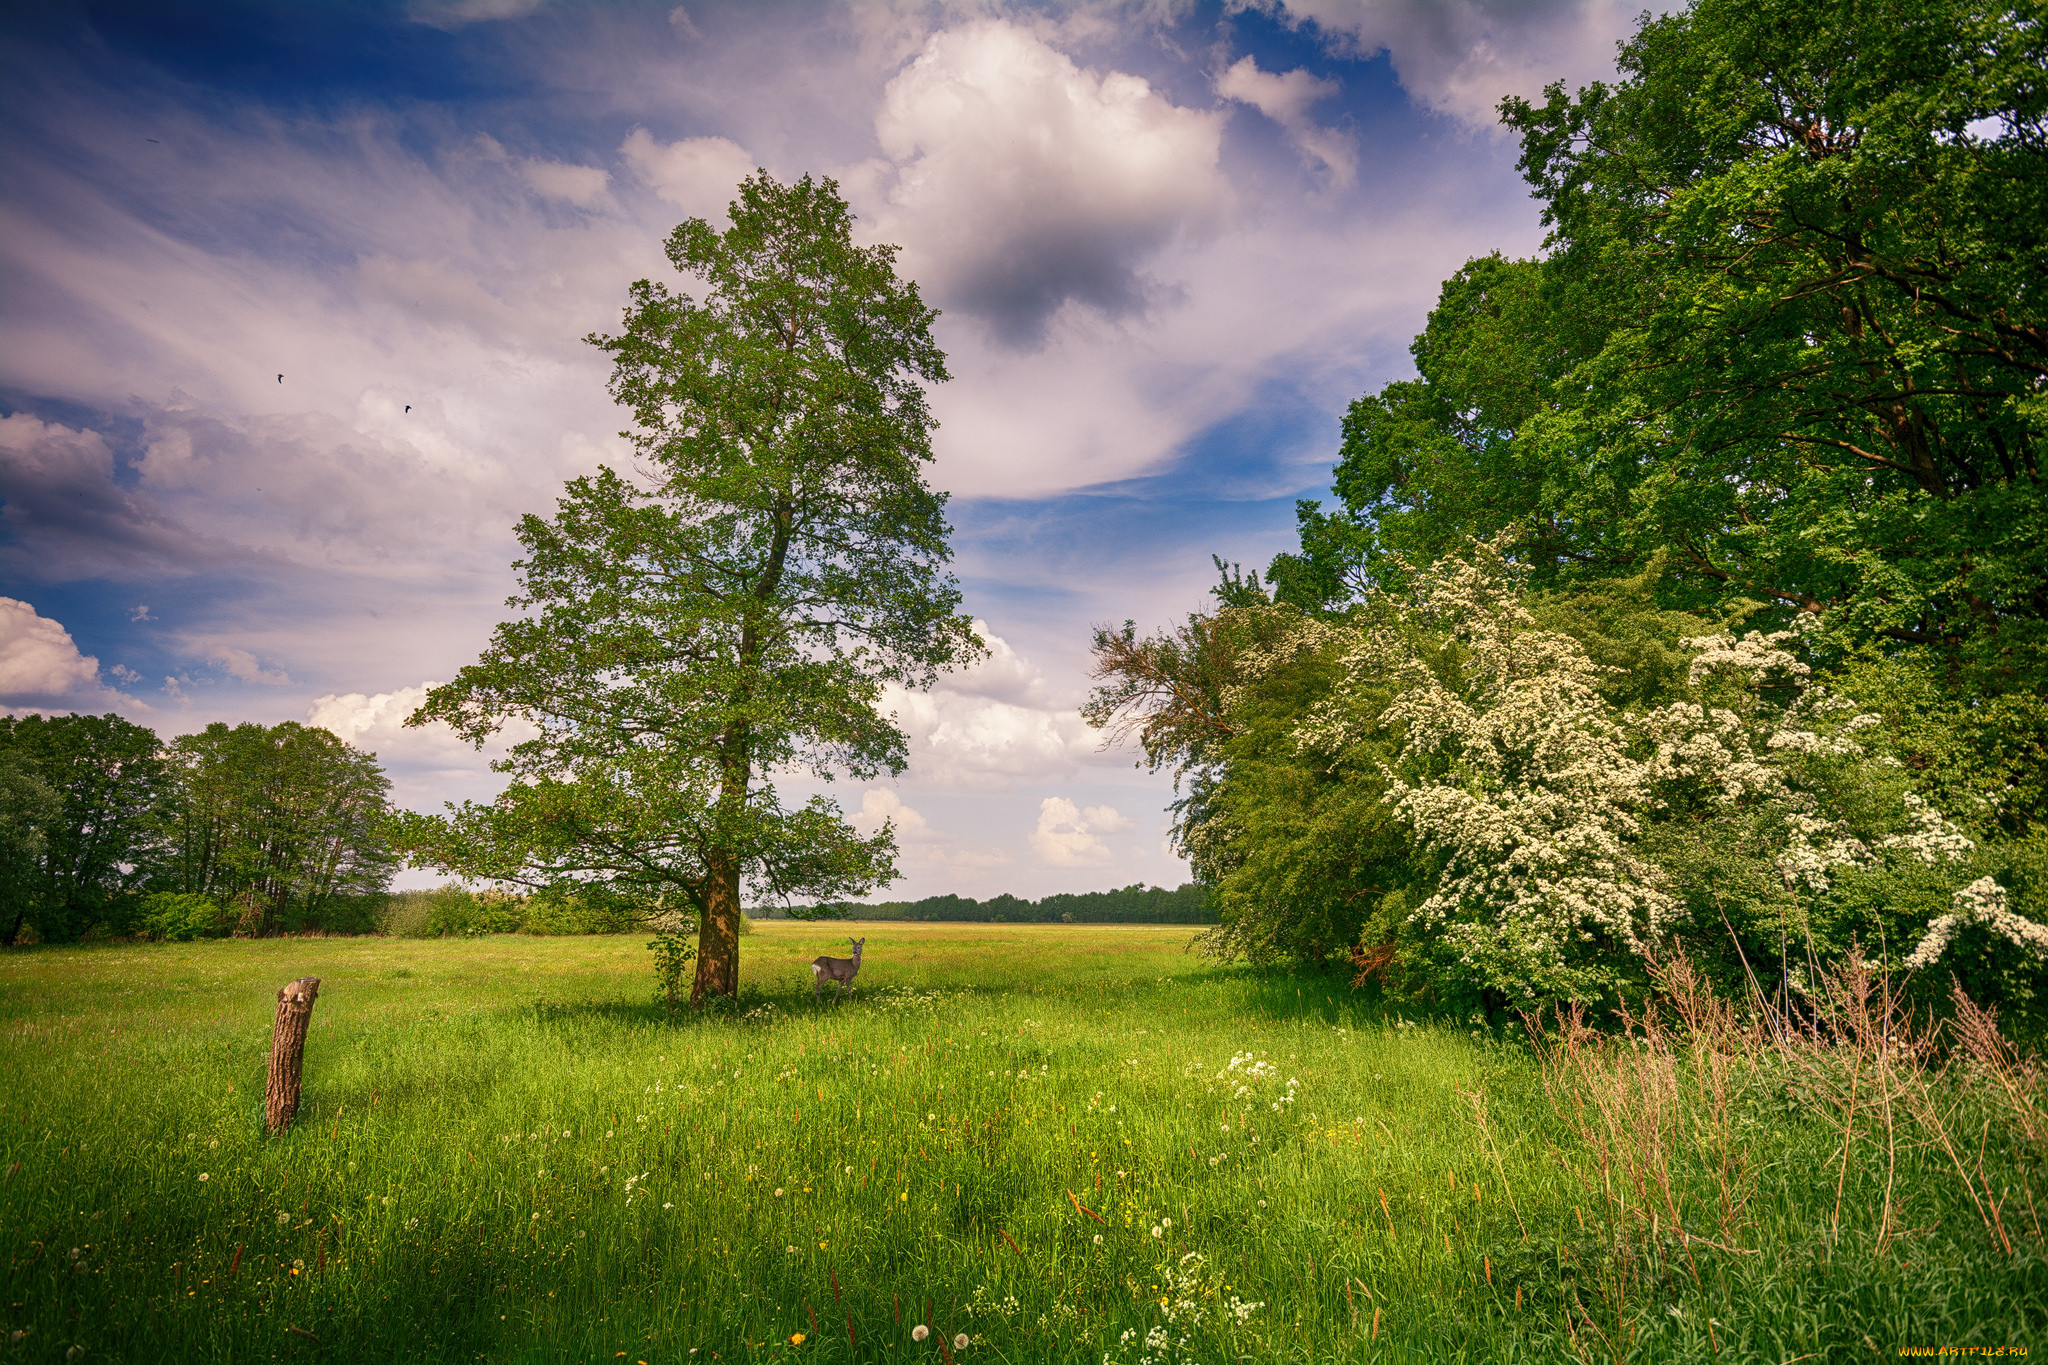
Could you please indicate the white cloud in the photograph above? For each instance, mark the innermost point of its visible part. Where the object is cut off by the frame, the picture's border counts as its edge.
(1459, 57)
(992, 725)
(1286, 98)
(38, 657)
(240, 663)
(1106, 820)
(698, 174)
(1025, 184)
(366, 720)
(879, 804)
(583, 186)
(1068, 836)
(451, 14)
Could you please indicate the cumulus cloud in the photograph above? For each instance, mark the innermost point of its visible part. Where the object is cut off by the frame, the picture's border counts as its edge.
(1460, 57)
(697, 174)
(879, 805)
(990, 726)
(1068, 836)
(1025, 183)
(1286, 97)
(38, 657)
(67, 517)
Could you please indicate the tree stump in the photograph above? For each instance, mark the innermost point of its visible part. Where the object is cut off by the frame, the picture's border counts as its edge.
(288, 1050)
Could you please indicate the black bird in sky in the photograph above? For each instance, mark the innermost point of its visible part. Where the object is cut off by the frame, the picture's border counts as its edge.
(280, 379)
(408, 407)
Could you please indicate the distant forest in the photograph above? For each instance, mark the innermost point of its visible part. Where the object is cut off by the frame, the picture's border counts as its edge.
(1135, 904)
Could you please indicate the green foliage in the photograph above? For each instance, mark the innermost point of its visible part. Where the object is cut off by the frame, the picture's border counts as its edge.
(1783, 357)
(1133, 904)
(284, 824)
(181, 916)
(736, 605)
(73, 867)
(673, 950)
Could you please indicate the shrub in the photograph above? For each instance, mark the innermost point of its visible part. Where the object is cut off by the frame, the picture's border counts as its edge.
(181, 916)
(406, 914)
(457, 912)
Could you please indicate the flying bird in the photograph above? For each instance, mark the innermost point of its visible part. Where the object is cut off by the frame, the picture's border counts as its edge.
(280, 379)
(408, 407)
(151, 139)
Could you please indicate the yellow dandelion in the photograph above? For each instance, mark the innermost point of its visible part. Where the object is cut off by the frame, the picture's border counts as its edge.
(796, 1338)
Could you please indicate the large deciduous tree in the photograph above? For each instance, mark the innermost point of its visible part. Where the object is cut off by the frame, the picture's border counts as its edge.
(1791, 336)
(82, 791)
(731, 608)
(283, 824)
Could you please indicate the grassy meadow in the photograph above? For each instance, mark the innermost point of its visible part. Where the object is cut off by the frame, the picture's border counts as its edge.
(1063, 1143)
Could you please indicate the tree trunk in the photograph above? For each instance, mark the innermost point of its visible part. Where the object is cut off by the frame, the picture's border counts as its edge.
(718, 935)
(288, 1049)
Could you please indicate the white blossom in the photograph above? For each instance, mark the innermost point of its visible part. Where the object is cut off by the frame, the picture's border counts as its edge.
(1981, 902)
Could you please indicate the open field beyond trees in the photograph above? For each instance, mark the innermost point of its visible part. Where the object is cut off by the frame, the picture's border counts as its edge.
(1062, 1142)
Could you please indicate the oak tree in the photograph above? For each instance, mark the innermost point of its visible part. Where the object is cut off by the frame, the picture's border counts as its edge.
(729, 610)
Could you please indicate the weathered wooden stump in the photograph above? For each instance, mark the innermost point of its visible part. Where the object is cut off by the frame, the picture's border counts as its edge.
(288, 1050)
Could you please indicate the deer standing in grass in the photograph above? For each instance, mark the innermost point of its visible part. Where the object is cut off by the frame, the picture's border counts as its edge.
(840, 971)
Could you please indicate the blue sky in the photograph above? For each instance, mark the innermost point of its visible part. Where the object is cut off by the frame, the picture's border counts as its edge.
(1171, 241)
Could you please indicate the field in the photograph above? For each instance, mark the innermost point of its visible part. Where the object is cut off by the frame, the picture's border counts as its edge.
(1063, 1143)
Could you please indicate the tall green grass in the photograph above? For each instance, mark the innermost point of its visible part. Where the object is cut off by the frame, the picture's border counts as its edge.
(1030, 1136)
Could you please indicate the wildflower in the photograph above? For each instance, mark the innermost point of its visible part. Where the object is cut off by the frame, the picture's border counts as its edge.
(1158, 1231)
(1166, 1222)
(203, 1176)
(929, 1117)
(283, 1218)
(796, 1338)
(668, 1206)
(789, 1250)
(778, 1191)
(849, 1170)
(565, 1133)
(960, 1342)
(536, 1218)
(1262, 1203)
(920, 1332)
(1098, 1239)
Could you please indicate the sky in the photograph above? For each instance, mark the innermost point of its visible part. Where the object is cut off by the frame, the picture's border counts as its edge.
(292, 300)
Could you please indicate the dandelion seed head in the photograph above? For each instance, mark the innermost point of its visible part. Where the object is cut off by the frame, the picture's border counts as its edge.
(920, 1332)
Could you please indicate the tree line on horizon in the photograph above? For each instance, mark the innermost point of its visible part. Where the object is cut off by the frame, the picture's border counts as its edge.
(1138, 903)
(106, 831)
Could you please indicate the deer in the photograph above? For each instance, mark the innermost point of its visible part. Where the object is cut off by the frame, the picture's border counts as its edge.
(840, 971)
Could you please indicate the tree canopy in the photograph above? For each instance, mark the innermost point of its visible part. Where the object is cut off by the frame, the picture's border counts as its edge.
(1695, 590)
(732, 608)
(1789, 335)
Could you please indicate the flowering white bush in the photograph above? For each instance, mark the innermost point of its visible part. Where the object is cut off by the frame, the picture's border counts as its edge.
(1523, 784)
(1535, 798)
(1981, 902)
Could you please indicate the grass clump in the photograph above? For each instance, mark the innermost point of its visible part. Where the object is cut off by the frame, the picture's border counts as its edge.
(1063, 1143)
